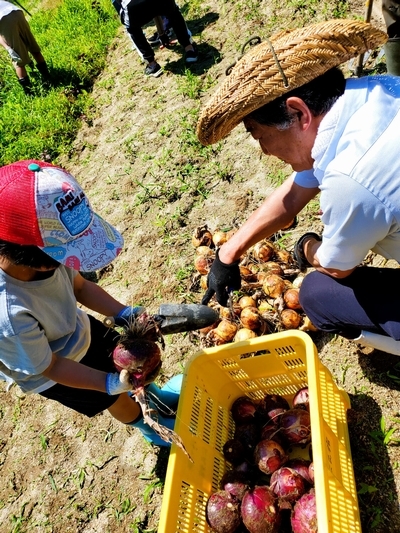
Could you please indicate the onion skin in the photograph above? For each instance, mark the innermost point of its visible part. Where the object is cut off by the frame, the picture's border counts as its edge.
(243, 410)
(284, 256)
(304, 514)
(223, 512)
(201, 237)
(141, 358)
(271, 407)
(302, 398)
(249, 436)
(290, 319)
(250, 318)
(296, 426)
(244, 334)
(246, 301)
(274, 285)
(291, 299)
(219, 237)
(236, 483)
(247, 274)
(259, 510)
(202, 264)
(271, 432)
(226, 330)
(264, 251)
(288, 484)
(271, 267)
(311, 472)
(269, 456)
(302, 467)
(234, 451)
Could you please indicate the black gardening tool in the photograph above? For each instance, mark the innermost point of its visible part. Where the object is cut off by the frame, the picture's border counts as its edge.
(178, 318)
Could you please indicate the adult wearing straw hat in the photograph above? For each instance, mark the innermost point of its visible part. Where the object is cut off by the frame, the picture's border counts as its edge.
(342, 139)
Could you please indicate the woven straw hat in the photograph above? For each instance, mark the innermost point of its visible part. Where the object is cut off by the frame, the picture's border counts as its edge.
(286, 61)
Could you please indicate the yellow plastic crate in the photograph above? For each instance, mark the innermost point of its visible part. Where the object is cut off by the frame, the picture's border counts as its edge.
(280, 363)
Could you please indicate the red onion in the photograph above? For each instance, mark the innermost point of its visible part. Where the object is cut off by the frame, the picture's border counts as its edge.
(302, 467)
(234, 482)
(271, 407)
(287, 484)
(140, 357)
(223, 512)
(249, 435)
(304, 515)
(269, 456)
(234, 451)
(311, 472)
(301, 398)
(259, 511)
(295, 425)
(243, 410)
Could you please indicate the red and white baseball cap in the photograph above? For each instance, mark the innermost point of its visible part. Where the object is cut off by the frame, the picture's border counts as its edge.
(44, 206)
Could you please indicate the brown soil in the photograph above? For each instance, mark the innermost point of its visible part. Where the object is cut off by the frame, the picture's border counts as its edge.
(137, 157)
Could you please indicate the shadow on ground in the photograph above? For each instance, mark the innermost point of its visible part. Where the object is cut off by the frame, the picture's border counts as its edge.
(377, 496)
(381, 368)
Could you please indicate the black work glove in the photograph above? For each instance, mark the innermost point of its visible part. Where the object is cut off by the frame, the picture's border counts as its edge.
(298, 251)
(221, 280)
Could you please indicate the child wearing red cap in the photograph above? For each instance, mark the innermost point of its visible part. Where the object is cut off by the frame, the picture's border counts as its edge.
(48, 235)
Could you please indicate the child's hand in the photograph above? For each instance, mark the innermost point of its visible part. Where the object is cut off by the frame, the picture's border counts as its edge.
(127, 314)
(114, 384)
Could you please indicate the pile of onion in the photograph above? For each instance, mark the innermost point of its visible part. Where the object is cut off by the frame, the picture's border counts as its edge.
(268, 300)
(268, 485)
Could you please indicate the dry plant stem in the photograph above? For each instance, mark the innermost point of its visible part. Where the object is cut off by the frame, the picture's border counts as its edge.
(166, 434)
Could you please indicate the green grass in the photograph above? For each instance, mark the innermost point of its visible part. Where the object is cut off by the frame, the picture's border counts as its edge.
(74, 38)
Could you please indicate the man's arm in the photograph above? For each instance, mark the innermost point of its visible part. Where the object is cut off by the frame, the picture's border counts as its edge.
(276, 212)
(310, 249)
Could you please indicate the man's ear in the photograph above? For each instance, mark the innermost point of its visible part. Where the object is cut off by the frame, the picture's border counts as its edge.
(296, 106)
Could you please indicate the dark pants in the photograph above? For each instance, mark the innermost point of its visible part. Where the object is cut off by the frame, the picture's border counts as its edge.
(391, 14)
(99, 356)
(368, 299)
(141, 12)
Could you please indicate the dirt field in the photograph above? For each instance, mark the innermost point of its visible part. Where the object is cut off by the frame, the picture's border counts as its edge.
(138, 158)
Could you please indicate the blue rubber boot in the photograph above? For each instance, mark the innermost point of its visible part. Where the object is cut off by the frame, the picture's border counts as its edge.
(150, 435)
(166, 399)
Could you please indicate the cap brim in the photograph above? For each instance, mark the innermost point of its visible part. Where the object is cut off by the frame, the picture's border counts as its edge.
(93, 250)
(288, 60)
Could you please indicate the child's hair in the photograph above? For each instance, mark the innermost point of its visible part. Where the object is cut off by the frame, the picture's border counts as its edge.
(26, 255)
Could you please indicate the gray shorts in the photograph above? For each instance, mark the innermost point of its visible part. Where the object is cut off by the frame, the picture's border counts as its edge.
(16, 32)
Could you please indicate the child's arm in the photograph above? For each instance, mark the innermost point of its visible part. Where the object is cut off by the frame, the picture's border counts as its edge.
(73, 374)
(79, 376)
(95, 298)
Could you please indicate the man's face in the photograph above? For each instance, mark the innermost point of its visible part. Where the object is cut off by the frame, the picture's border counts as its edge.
(293, 145)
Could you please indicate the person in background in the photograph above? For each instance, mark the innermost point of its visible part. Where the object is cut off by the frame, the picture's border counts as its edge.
(158, 38)
(17, 38)
(391, 14)
(49, 346)
(136, 13)
(294, 100)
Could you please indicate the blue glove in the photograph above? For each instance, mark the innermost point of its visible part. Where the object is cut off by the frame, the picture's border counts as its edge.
(298, 251)
(114, 385)
(221, 280)
(127, 314)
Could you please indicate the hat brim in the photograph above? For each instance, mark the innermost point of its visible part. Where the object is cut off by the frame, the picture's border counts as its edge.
(95, 249)
(301, 55)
